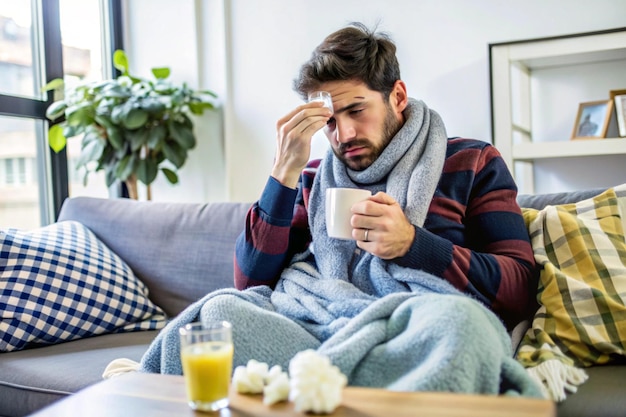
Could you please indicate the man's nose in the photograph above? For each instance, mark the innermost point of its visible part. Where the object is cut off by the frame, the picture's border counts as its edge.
(345, 131)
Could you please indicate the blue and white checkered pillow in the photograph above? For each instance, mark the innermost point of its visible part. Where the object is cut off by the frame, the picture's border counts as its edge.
(60, 283)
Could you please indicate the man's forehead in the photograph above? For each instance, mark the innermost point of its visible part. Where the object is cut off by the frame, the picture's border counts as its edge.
(346, 89)
(348, 92)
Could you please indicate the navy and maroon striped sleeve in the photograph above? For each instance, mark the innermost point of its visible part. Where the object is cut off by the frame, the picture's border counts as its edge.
(276, 228)
(259, 259)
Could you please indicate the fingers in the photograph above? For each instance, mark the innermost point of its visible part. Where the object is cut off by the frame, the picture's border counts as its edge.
(294, 112)
(375, 206)
(364, 235)
(383, 198)
(294, 134)
(304, 120)
(381, 228)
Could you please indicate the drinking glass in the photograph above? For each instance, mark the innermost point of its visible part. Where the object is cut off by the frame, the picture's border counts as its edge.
(324, 97)
(207, 359)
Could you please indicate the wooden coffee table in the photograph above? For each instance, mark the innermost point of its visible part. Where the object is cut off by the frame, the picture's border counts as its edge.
(139, 394)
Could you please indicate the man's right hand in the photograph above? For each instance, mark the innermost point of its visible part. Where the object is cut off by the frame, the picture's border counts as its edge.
(294, 134)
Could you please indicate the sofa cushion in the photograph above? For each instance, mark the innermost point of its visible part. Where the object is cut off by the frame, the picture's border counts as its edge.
(539, 201)
(181, 251)
(60, 283)
(33, 378)
(582, 290)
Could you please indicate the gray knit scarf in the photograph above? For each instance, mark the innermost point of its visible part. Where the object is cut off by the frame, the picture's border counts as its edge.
(408, 170)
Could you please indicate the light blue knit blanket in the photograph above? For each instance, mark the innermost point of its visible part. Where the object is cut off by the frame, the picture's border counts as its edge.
(430, 339)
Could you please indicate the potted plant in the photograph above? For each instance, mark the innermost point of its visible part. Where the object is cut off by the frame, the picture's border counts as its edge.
(130, 126)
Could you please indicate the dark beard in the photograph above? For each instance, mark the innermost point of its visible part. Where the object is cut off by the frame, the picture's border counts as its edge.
(391, 126)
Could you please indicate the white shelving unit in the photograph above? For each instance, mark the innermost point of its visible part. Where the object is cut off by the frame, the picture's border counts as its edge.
(536, 86)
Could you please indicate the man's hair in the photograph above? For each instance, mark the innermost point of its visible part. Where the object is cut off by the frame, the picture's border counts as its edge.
(353, 53)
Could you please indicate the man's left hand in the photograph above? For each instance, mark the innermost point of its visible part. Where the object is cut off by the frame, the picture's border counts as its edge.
(389, 233)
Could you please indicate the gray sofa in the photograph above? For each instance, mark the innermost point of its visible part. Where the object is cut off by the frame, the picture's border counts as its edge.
(181, 252)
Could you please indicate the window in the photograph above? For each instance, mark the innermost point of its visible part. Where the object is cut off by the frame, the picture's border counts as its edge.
(14, 172)
(41, 40)
(17, 50)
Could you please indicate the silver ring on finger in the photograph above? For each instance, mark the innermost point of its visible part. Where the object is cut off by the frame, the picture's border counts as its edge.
(366, 233)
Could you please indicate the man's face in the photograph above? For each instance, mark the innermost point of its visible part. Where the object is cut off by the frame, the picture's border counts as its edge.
(363, 123)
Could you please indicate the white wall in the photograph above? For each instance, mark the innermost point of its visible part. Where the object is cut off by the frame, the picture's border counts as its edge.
(188, 37)
(249, 51)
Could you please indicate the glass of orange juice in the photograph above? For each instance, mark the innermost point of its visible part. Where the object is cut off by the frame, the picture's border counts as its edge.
(206, 353)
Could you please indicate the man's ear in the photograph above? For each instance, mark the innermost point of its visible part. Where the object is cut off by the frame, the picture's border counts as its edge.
(398, 97)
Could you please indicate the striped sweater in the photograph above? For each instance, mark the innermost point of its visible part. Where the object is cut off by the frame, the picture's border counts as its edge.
(474, 234)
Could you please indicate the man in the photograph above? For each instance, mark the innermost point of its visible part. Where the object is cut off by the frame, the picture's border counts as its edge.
(472, 235)
(387, 308)
(587, 127)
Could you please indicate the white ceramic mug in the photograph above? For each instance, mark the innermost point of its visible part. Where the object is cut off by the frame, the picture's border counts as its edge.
(339, 201)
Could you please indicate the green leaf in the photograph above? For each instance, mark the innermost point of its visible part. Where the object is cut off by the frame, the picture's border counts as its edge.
(110, 177)
(87, 142)
(107, 158)
(185, 120)
(198, 107)
(120, 61)
(119, 153)
(161, 72)
(208, 92)
(56, 138)
(125, 167)
(53, 85)
(152, 105)
(135, 118)
(95, 132)
(79, 115)
(170, 175)
(115, 91)
(137, 138)
(99, 85)
(165, 88)
(174, 153)
(182, 134)
(147, 170)
(56, 110)
(103, 121)
(70, 131)
(156, 137)
(92, 151)
(115, 138)
(117, 114)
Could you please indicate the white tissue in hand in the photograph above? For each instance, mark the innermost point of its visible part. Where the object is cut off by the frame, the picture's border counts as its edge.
(316, 385)
(277, 388)
(250, 379)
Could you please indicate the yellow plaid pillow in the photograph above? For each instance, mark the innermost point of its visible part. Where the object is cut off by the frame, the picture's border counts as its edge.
(582, 290)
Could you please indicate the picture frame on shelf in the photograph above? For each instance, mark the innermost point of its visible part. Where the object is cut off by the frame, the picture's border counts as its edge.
(592, 120)
(620, 113)
(614, 93)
